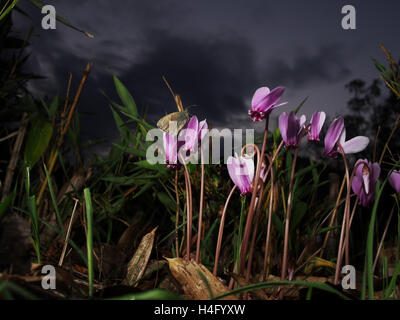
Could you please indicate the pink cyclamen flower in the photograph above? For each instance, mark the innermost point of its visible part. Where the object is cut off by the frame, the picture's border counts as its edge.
(193, 133)
(317, 121)
(241, 171)
(264, 101)
(291, 128)
(171, 147)
(364, 181)
(394, 180)
(337, 134)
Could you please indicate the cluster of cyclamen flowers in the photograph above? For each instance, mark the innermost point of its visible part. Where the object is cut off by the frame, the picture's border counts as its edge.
(293, 128)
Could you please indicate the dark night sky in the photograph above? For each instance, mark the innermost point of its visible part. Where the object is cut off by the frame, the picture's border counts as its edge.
(214, 53)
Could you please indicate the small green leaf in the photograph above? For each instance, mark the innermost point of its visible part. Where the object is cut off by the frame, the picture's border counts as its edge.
(38, 141)
(166, 201)
(125, 97)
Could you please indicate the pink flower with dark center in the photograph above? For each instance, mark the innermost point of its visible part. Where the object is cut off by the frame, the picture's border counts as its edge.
(264, 101)
(364, 181)
(241, 171)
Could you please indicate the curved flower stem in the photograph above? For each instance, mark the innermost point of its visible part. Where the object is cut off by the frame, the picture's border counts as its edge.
(345, 221)
(273, 159)
(287, 224)
(250, 215)
(347, 205)
(201, 207)
(267, 239)
(189, 209)
(346, 218)
(177, 215)
(258, 209)
(221, 231)
(249, 220)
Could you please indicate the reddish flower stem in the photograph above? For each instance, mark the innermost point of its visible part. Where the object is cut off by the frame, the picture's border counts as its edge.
(267, 239)
(346, 218)
(189, 210)
(201, 207)
(249, 220)
(221, 232)
(177, 215)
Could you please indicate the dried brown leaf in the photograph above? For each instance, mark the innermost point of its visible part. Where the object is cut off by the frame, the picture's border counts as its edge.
(196, 280)
(137, 265)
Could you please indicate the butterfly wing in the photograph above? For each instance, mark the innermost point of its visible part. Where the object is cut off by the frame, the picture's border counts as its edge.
(181, 117)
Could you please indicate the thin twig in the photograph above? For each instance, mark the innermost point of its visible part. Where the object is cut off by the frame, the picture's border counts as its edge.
(64, 130)
(9, 136)
(14, 156)
(71, 221)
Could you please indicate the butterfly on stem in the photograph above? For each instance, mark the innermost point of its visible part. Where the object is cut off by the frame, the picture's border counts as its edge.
(180, 117)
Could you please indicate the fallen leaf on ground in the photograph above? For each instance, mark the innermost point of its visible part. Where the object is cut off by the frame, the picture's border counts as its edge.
(137, 265)
(197, 282)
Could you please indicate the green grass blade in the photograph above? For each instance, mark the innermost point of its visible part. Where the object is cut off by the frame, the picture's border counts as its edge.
(6, 10)
(126, 97)
(89, 237)
(64, 21)
(370, 241)
(53, 199)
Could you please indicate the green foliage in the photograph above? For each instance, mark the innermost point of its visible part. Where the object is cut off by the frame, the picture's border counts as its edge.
(38, 140)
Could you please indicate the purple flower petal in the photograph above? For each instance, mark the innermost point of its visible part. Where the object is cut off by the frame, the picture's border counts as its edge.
(376, 171)
(364, 181)
(241, 171)
(355, 145)
(356, 184)
(258, 97)
(293, 128)
(394, 180)
(264, 101)
(317, 121)
(332, 136)
(203, 127)
(283, 125)
(171, 145)
(191, 135)
(273, 97)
